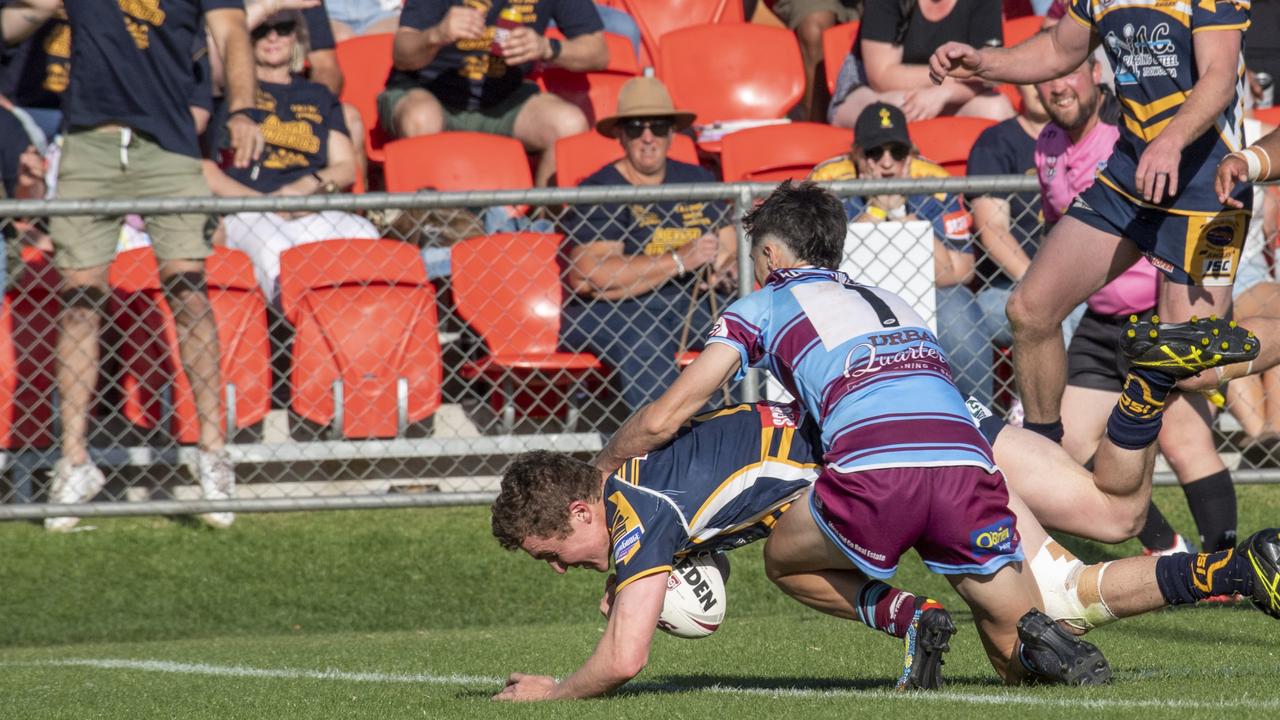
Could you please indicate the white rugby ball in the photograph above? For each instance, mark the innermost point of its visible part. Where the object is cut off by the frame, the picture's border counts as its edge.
(695, 602)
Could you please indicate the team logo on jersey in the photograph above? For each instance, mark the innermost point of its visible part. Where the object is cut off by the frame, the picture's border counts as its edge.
(1220, 235)
(1142, 53)
(626, 530)
(994, 539)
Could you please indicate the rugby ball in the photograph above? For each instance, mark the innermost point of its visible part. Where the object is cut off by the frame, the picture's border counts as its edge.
(695, 602)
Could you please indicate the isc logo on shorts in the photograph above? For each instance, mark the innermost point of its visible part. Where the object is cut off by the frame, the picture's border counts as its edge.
(995, 539)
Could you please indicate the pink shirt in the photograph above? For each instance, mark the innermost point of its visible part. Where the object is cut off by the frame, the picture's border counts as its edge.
(1066, 169)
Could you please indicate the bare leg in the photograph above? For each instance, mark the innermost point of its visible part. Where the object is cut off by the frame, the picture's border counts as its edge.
(1179, 302)
(197, 345)
(1186, 438)
(809, 33)
(543, 120)
(998, 601)
(1084, 419)
(1073, 263)
(77, 352)
(800, 560)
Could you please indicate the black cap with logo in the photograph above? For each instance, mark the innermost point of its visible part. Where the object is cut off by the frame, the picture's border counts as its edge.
(880, 124)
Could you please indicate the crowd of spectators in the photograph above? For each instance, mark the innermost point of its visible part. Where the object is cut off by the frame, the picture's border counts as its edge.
(250, 100)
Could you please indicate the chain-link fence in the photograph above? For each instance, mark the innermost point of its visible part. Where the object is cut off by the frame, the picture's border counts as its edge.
(393, 350)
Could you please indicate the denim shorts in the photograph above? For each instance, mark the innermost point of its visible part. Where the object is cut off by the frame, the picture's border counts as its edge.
(360, 14)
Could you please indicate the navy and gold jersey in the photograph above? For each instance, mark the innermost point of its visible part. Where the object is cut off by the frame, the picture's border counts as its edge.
(721, 483)
(1149, 44)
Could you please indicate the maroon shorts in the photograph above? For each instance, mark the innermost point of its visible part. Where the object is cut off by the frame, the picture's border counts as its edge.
(956, 517)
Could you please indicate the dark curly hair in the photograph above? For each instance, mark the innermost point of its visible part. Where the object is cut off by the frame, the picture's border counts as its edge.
(535, 495)
(808, 218)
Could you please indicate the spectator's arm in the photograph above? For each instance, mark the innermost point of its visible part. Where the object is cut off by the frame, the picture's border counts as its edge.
(951, 266)
(21, 18)
(601, 269)
(222, 184)
(340, 171)
(583, 53)
(256, 11)
(414, 49)
(231, 37)
(991, 221)
(325, 70)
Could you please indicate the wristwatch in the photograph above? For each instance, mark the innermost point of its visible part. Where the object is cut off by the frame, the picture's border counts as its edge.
(327, 187)
(556, 47)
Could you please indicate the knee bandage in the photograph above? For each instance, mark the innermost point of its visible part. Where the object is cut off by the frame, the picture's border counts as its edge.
(1071, 590)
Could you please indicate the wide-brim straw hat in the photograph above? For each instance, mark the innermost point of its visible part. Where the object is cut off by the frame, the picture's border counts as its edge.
(644, 97)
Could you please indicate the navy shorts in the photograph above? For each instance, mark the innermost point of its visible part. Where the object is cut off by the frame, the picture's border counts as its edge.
(1200, 249)
(956, 517)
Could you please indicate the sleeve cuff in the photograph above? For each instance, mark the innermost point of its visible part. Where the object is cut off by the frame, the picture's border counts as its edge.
(742, 354)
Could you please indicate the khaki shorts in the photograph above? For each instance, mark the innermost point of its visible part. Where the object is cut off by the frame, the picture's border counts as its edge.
(95, 165)
(499, 119)
(792, 12)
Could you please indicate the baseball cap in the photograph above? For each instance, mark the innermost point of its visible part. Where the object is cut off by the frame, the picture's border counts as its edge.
(880, 124)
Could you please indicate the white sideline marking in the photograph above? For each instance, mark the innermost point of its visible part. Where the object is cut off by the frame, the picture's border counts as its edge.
(1003, 698)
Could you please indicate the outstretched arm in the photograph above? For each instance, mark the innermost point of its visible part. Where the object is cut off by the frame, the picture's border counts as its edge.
(621, 654)
(1045, 56)
(1256, 163)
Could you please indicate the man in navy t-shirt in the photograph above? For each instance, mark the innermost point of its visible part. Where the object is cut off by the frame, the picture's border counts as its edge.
(634, 268)
(130, 132)
(462, 65)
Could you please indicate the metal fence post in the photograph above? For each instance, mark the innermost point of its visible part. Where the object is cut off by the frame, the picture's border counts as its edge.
(746, 277)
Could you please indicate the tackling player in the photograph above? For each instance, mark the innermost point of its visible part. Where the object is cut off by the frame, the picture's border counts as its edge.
(1179, 80)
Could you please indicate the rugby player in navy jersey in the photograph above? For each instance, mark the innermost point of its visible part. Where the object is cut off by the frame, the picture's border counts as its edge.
(731, 476)
(1179, 78)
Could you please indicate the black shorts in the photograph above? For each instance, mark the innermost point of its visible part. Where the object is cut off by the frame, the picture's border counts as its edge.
(1093, 357)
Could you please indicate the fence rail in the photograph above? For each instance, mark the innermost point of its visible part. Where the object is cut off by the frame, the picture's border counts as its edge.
(377, 381)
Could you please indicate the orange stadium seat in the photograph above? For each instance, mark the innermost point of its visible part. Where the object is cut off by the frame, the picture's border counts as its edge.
(579, 156)
(837, 42)
(1268, 116)
(366, 352)
(507, 288)
(656, 18)
(595, 92)
(28, 338)
(365, 61)
(457, 161)
(776, 152)
(732, 72)
(948, 140)
(1019, 30)
(154, 381)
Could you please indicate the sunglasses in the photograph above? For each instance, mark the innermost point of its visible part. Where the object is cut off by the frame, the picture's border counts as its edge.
(633, 129)
(898, 151)
(283, 28)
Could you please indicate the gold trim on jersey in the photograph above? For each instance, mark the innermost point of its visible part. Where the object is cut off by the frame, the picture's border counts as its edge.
(1237, 26)
(1144, 112)
(1144, 204)
(1179, 11)
(720, 412)
(766, 518)
(637, 576)
(748, 470)
(1147, 133)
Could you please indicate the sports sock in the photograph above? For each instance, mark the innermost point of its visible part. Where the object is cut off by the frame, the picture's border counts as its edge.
(1157, 534)
(1184, 578)
(1135, 420)
(887, 609)
(1052, 430)
(1213, 505)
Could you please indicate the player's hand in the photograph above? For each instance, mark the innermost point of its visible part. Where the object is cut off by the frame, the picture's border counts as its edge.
(955, 60)
(524, 44)
(606, 601)
(700, 251)
(1157, 174)
(246, 140)
(461, 23)
(1231, 170)
(527, 688)
(925, 103)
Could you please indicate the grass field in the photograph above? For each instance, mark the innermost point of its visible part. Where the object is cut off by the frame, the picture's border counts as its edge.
(390, 614)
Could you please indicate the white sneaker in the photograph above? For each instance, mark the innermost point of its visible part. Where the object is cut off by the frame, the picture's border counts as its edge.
(1180, 545)
(218, 481)
(72, 484)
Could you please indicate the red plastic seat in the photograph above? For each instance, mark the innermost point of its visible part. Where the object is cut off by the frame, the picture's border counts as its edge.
(28, 342)
(948, 140)
(777, 152)
(154, 381)
(507, 288)
(579, 156)
(457, 161)
(656, 18)
(732, 72)
(1019, 30)
(365, 62)
(1268, 116)
(837, 42)
(366, 353)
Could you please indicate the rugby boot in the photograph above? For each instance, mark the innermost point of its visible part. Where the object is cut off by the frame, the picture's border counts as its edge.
(1053, 655)
(1185, 349)
(1261, 551)
(927, 639)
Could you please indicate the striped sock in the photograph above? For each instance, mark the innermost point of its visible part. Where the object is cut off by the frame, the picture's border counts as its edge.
(890, 610)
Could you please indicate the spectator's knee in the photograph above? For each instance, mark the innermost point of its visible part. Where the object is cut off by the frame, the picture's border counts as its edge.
(809, 31)
(188, 296)
(993, 106)
(566, 120)
(418, 114)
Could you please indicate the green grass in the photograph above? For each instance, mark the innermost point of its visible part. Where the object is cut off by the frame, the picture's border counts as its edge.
(412, 599)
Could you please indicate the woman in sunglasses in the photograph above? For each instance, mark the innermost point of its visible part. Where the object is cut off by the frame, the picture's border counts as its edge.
(882, 149)
(635, 269)
(308, 152)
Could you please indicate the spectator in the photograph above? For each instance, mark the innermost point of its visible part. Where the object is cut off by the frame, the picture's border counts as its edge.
(35, 74)
(634, 268)
(882, 148)
(1006, 226)
(22, 178)
(453, 71)
(1262, 49)
(307, 152)
(362, 17)
(131, 133)
(809, 19)
(890, 62)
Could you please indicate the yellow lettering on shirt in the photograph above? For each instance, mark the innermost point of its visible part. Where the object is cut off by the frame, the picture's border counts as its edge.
(56, 78)
(282, 159)
(667, 239)
(295, 135)
(58, 42)
(140, 17)
(306, 111)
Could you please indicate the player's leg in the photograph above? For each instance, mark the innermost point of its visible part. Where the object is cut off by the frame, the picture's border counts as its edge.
(1075, 260)
(1186, 441)
(1084, 420)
